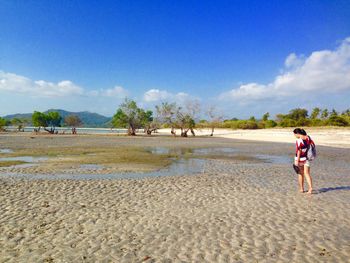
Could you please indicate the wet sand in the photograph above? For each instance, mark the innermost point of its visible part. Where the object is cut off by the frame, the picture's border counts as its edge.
(231, 211)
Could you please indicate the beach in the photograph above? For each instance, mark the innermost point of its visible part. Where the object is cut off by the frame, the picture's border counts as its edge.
(242, 206)
(333, 137)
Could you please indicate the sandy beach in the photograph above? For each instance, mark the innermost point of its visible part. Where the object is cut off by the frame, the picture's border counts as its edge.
(243, 206)
(332, 137)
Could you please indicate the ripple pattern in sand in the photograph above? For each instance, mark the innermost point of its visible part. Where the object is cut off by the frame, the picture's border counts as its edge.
(230, 213)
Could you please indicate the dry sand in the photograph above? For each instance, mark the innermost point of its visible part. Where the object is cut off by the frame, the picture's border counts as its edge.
(233, 211)
(333, 137)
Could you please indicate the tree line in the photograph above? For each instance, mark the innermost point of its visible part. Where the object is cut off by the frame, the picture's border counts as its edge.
(167, 115)
(47, 121)
(185, 118)
(298, 117)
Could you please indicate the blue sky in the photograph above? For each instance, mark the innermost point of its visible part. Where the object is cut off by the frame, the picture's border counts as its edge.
(244, 57)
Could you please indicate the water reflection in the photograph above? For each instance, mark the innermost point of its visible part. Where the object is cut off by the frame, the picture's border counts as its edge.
(180, 167)
(28, 159)
(186, 161)
(223, 152)
(6, 151)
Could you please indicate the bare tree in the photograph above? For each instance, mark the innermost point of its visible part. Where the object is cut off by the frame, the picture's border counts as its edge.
(73, 121)
(176, 117)
(166, 113)
(193, 109)
(186, 117)
(215, 118)
(149, 123)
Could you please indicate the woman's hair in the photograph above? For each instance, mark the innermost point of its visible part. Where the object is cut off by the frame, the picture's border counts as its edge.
(303, 132)
(299, 131)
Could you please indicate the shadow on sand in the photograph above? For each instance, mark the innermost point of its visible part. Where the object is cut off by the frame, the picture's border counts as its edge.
(328, 189)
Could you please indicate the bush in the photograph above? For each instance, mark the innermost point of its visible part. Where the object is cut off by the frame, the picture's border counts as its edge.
(229, 124)
(288, 123)
(302, 122)
(335, 120)
(243, 124)
(269, 124)
(316, 122)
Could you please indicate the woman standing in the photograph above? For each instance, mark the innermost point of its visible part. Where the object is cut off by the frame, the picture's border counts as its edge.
(302, 144)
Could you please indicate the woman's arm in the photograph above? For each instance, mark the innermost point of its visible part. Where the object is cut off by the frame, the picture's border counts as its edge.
(298, 157)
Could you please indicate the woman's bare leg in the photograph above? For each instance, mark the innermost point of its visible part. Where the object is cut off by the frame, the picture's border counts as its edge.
(301, 181)
(308, 178)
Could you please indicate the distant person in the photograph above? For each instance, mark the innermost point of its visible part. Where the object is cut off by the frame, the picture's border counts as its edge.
(301, 162)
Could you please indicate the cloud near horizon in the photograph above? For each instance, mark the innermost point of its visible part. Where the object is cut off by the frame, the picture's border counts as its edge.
(325, 71)
(16, 84)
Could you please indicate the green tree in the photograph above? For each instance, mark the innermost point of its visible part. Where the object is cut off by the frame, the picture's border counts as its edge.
(333, 113)
(297, 114)
(295, 117)
(346, 113)
(315, 112)
(39, 119)
(266, 123)
(129, 116)
(52, 120)
(324, 114)
(3, 123)
(266, 116)
(252, 118)
(17, 122)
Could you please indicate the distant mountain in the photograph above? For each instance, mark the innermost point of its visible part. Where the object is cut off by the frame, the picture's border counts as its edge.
(89, 119)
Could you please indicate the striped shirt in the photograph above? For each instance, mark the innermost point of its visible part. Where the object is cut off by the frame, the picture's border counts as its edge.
(301, 145)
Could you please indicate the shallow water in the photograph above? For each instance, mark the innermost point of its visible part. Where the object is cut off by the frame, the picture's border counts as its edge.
(221, 151)
(185, 165)
(79, 130)
(23, 165)
(28, 159)
(181, 167)
(6, 151)
(91, 166)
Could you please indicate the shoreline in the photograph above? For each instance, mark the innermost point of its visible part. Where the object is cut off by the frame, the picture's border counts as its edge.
(331, 137)
(324, 136)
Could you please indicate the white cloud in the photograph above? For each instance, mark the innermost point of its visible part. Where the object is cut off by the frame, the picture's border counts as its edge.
(252, 90)
(18, 84)
(154, 95)
(325, 71)
(293, 60)
(117, 92)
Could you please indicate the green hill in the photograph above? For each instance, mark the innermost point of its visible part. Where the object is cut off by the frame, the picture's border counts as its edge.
(89, 119)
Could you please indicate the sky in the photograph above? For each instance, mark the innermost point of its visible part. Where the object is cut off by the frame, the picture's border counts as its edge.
(243, 57)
